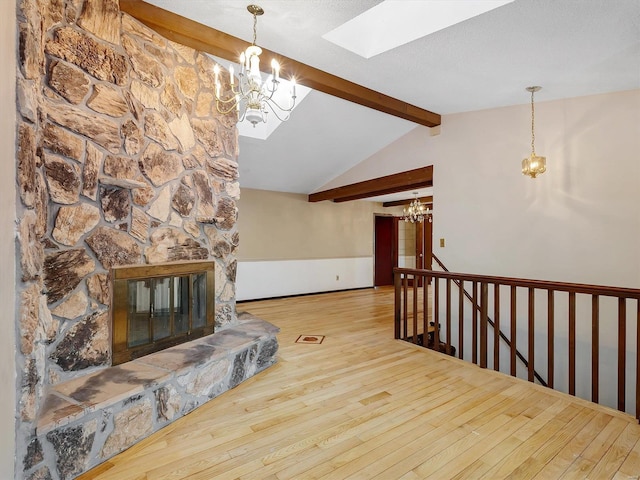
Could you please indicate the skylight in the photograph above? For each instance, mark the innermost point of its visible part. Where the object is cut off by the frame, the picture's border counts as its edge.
(393, 23)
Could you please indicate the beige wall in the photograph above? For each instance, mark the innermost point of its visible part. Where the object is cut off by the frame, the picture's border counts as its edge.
(285, 226)
(579, 222)
(7, 229)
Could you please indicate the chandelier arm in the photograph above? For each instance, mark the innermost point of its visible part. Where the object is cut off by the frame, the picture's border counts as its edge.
(232, 98)
(275, 112)
(241, 116)
(225, 110)
(272, 103)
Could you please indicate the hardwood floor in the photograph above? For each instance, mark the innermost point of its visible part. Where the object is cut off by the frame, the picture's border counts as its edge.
(363, 405)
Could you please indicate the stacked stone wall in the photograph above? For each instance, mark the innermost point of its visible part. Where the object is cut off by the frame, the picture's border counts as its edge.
(122, 159)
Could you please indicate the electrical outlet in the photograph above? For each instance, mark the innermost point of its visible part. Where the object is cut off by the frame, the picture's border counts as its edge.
(442, 243)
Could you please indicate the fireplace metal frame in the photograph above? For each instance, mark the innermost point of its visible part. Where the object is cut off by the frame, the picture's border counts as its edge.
(121, 352)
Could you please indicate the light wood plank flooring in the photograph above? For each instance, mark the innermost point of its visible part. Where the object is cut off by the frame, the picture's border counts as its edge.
(362, 405)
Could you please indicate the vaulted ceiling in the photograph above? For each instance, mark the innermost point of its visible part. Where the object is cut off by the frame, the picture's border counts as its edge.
(570, 47)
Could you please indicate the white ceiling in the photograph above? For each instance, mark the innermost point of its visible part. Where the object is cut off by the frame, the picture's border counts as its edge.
(570, 47)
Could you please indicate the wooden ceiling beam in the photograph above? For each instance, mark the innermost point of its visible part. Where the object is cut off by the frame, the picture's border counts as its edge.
(398, 182)
(206, 39)
(398, 203)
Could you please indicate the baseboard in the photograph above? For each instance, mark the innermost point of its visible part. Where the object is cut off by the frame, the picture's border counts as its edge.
(302, 295)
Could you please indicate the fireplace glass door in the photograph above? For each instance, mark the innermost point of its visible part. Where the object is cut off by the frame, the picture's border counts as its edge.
(162, 310)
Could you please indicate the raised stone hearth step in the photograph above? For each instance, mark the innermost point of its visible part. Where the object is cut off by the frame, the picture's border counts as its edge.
(109, 410)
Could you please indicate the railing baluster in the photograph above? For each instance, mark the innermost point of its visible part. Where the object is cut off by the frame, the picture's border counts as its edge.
(414, 289)
(405, 308)
(397, 281)
(436, 314)
(448, 318)
(638, 359)
(461, 320)
(474, 325)
(496, 326)
(531, 334)
(595, 348)
(622, 351)
(513, 331)
(572, 343)
(484, 293)
(550, 337)
(425, 312)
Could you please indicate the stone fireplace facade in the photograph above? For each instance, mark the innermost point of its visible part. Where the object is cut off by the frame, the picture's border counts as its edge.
(122, 160)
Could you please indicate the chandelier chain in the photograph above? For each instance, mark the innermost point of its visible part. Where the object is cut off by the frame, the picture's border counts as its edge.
(533, 133)
(255, 28)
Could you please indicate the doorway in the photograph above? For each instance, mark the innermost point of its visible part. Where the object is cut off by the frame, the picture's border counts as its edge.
(385, 250)
(424, 245)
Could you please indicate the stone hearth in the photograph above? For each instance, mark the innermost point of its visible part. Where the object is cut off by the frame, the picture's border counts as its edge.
(107, 411)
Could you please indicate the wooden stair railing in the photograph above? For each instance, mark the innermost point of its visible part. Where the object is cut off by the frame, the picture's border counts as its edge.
(560, 324)
(503, 337)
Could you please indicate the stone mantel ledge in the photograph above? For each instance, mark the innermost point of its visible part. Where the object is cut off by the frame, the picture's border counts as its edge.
(70, 400)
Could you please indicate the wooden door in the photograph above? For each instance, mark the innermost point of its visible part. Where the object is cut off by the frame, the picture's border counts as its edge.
(424, 247)
(385, 250)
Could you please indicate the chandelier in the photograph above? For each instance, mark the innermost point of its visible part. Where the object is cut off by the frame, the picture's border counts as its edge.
(533, 165)
(416, 211)
(251, 96)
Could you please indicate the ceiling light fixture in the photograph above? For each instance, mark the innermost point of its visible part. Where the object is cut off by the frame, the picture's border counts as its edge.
(416, 211)
(533, 165)
(251, 97)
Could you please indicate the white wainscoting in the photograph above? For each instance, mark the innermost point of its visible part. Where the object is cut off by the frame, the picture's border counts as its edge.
(278, 278)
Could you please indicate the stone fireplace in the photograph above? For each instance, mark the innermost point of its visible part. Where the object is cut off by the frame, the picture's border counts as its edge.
(122, 162)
